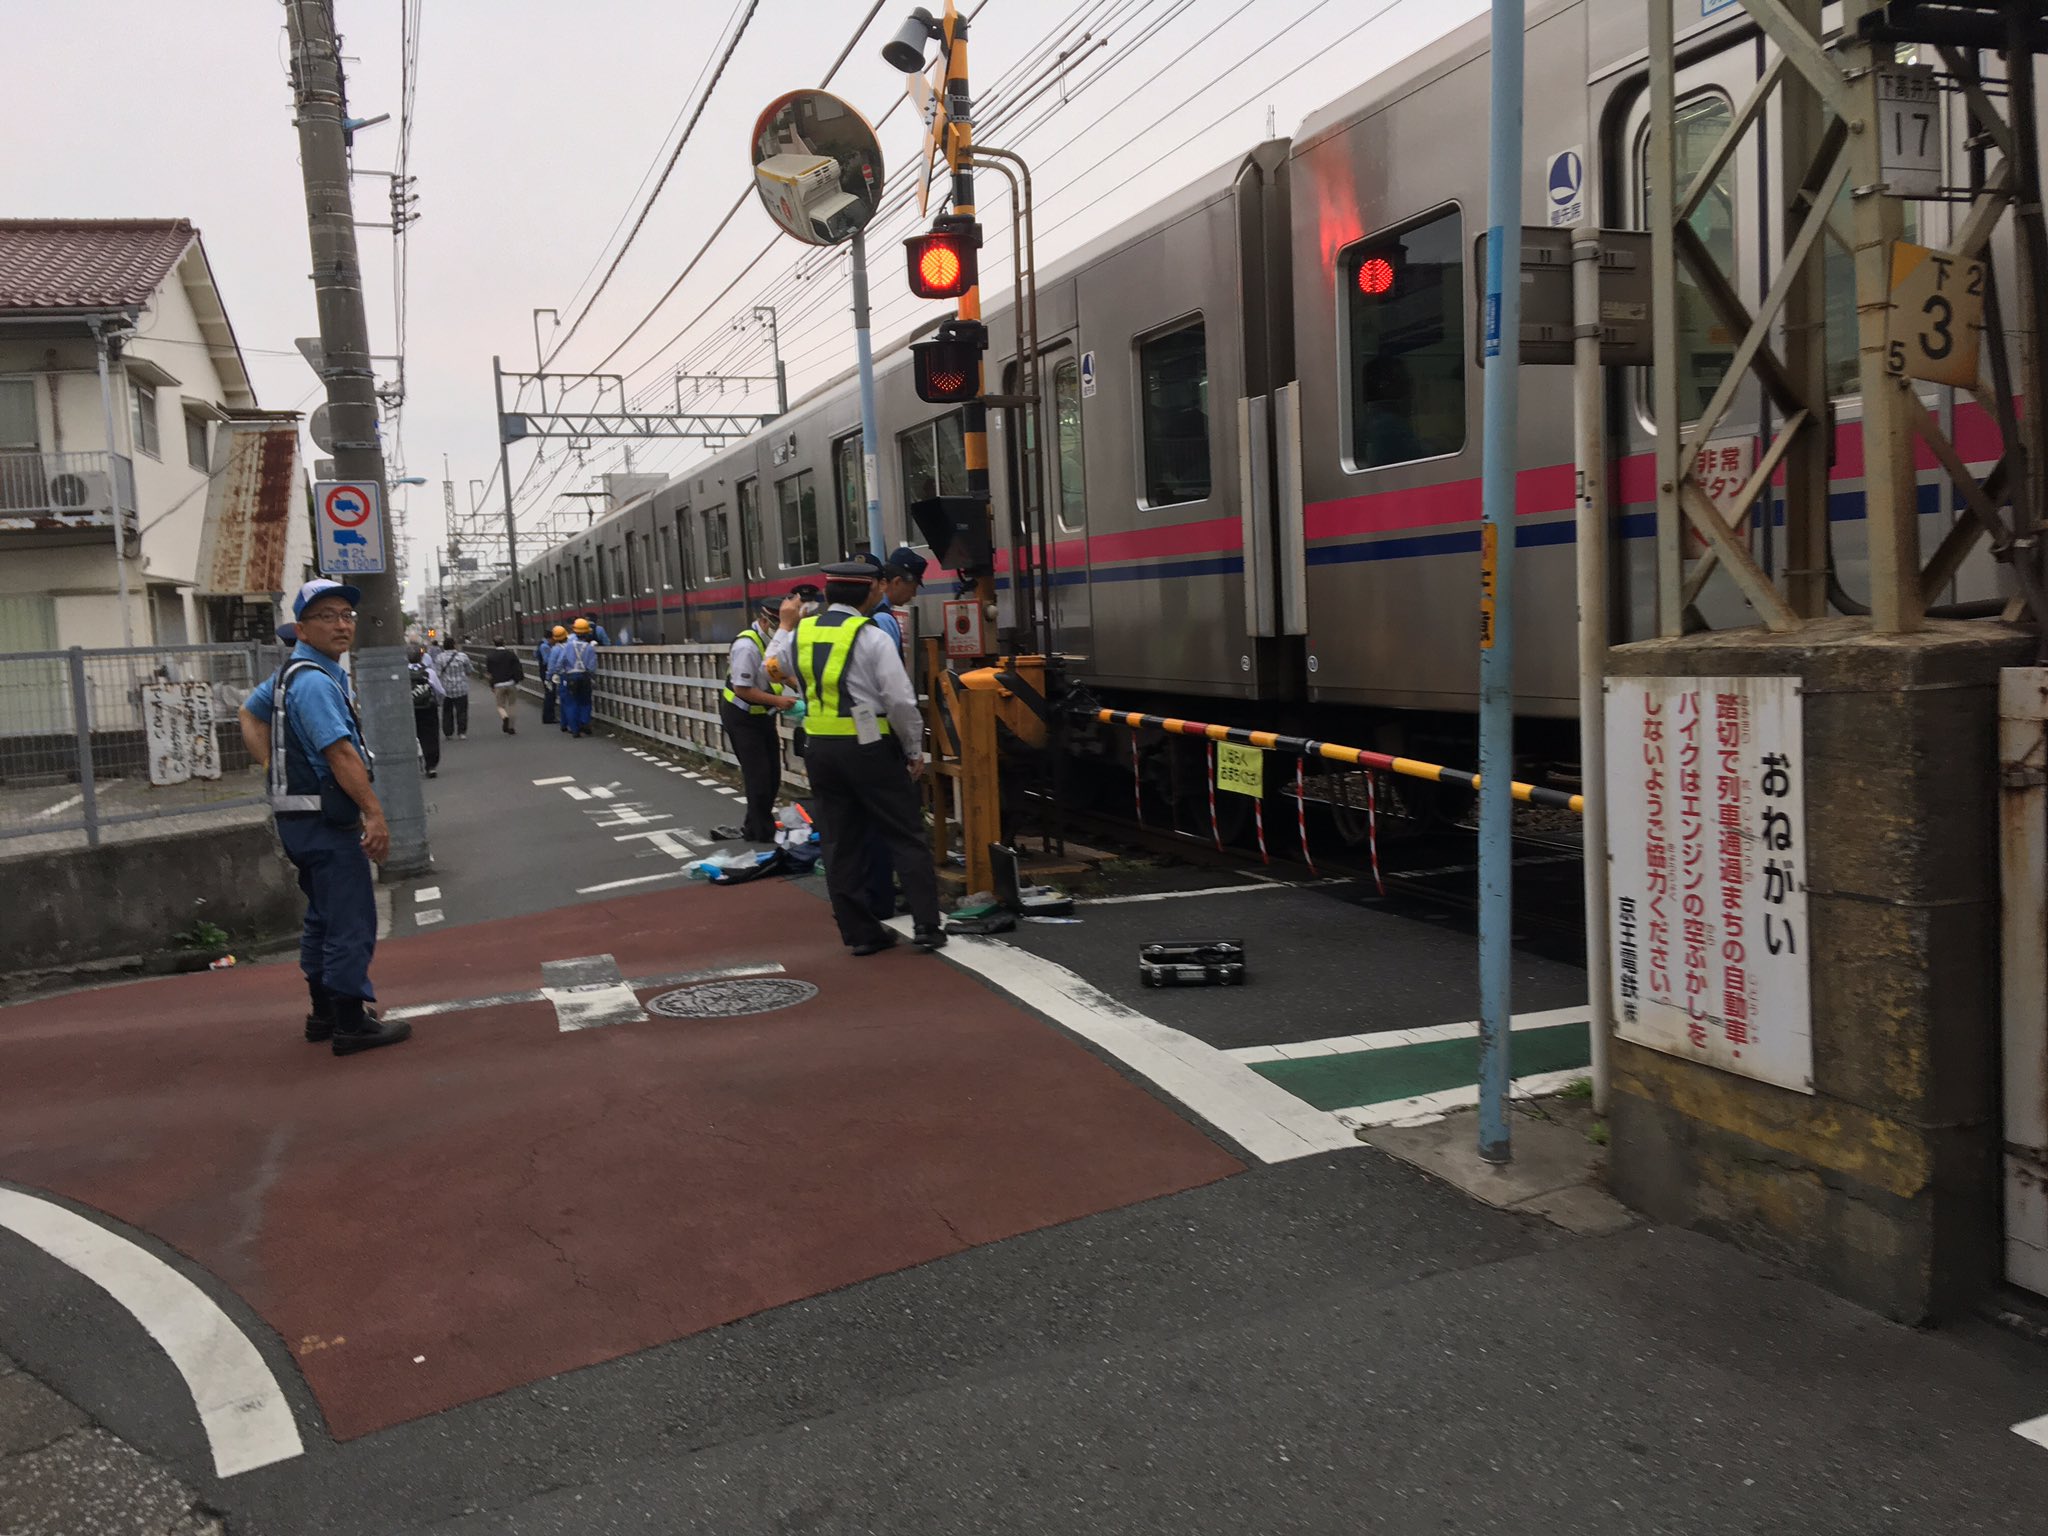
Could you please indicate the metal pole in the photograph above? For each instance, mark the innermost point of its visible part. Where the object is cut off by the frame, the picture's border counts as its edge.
(81, 725)
(974, 414)
(1589, 424)
(1497, 635)
(99, 337)
(1668, 570)
(511, 530)
(379, 659)
(775, 352)
(869, 442)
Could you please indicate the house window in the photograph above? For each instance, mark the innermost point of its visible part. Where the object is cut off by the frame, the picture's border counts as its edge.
(195, 443)
(850, 485)
(1403, 300)
(796, 501)
(934, 459)
(142, 400)
(717, 545)
(1173, 374)
(18, 416)
(752, 544)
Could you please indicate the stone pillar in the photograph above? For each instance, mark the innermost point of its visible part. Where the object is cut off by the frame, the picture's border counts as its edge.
(1883, 1184)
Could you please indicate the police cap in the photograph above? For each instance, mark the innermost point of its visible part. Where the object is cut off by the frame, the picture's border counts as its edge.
(865, 568)
(905, 561)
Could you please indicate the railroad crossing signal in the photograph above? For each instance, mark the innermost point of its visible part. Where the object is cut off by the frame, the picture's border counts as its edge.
(944, 262)
(947, 368)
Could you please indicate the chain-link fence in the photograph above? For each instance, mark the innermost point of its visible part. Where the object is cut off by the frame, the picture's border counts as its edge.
(98, 739)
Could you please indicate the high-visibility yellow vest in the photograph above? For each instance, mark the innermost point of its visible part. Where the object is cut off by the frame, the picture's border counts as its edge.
(734, 699)
(824, 645)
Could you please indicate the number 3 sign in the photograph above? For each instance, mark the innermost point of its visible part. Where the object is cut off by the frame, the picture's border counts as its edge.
(1936, 324)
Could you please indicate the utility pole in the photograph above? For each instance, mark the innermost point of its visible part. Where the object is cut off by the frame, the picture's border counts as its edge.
(379, 665)
(511, 528)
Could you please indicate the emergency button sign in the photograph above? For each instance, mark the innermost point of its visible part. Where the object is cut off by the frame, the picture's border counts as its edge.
(351, 532)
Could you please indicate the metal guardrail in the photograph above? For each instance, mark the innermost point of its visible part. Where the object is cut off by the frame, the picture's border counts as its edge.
(55, 491)
(91, 739)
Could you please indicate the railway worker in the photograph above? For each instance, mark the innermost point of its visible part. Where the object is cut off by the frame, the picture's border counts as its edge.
(301, 725)
(865, 754)
(596, 632)
(453, 666)
(506, 674)
(747, 707)
(574, 667)
(550, 695)
(902, 576)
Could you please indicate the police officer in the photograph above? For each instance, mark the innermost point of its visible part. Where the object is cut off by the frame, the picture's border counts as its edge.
(301, 725)
(866, 751)
(574, 666)
(901, 574)
(747, 708)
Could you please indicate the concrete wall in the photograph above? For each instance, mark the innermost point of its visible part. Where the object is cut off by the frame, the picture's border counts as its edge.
(128, 898)
(1884, 1184)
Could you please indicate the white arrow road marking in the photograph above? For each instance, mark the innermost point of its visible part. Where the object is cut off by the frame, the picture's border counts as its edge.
(566, 778)
(589, 993)
(2035, 1430)
(248, 1423)
(505, 999)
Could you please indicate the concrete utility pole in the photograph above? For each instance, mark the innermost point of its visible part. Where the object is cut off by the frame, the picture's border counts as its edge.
(379, 665)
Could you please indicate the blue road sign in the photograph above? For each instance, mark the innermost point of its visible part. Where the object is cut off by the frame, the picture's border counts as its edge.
(1564, 184)
(351, 529)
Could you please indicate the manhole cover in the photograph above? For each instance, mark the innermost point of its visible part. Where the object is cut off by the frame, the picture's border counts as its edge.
(731, 999)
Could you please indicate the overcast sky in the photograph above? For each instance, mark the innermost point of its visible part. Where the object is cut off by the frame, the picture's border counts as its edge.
(537, 128)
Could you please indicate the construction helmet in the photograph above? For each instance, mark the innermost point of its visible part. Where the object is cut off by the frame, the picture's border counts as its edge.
(560, 633)
(582, 626)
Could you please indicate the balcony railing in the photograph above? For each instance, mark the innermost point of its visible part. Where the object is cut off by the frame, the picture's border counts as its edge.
(60, 492)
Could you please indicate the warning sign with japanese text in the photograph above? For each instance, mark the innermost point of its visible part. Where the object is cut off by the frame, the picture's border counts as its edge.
(1707, 832)
(1240, 770)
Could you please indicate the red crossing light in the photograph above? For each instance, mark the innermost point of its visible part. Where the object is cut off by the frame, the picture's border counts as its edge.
(1376, 277)
(947, 369)
(943, 263)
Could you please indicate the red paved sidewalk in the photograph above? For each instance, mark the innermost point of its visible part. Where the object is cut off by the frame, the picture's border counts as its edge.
(498, 1201)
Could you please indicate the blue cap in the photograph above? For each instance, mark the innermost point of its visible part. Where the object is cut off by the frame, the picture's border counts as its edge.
(906, 561)
(319, 587)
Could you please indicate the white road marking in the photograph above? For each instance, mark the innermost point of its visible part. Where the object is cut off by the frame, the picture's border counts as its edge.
(1386, 1039)
(61, 805)
(1212, 890)
(427, 893)
(1261, 1116)
(732, 793)
(574, 793)
(601, 791)
(589, 993)
(383, 912)
(566, 778)
(248, 1423)
(620, 885)
(1432, 1106)
(2035, 1430)
(428, 918)
(639, 983)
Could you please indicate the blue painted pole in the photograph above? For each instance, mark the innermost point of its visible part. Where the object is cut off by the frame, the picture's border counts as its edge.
(868, 446)
(1503, 351)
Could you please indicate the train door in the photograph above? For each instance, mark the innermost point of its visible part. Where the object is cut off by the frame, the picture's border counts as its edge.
(1732, 223)
(1063, 501)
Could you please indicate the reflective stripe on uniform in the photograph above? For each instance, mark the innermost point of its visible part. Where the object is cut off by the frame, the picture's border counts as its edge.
(281, 797)
(726, 693)
(824, 645)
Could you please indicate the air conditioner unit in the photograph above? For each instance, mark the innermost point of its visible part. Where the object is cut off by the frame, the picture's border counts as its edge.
(89, 490)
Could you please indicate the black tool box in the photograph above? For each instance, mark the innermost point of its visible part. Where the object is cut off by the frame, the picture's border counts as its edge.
(1192, 963)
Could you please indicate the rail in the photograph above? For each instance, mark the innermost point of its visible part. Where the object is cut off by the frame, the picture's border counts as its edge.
(1329, 751)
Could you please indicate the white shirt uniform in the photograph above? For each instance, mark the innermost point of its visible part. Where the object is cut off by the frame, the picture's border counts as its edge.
(746, 667)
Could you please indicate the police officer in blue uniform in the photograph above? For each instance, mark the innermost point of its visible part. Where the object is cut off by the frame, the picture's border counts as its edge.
(901, 576)
(865, 754)
(302, 726)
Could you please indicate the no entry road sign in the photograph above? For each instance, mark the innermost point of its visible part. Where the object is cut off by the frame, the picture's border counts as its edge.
(351, 532)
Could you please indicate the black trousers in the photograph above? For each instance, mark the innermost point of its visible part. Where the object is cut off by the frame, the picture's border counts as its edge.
(428, 729)
(863, 792)
(455, 714)
(759, 749)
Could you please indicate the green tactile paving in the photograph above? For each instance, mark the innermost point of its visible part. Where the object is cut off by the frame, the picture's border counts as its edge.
(1408, 1071)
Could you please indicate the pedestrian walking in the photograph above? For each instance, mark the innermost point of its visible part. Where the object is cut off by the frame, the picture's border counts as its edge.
(574, 667)
(426, 708)
(301, 725)
(506, 674)
(550, 694)
(454, 667)
(748, 707)
(902, 576)
(865, 755)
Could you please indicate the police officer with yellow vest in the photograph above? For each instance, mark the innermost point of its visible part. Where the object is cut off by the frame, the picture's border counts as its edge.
(866, 752)
(747, 707)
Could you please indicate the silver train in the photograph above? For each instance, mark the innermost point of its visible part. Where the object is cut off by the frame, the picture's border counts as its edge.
(1265, 401)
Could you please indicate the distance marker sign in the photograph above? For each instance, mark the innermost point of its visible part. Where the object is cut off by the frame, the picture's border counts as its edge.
(351, 531)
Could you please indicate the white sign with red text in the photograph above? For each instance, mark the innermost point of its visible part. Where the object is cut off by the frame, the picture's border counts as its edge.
(1706, 813)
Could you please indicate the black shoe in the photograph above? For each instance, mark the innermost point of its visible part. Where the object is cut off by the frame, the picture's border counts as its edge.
(365, 1031)
(319, 1028)
(876, 946)
(505, 726)
(729, 834)
(929, 938)
(433, 773)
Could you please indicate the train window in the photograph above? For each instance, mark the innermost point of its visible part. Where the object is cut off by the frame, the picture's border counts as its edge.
(717, 545)
(1404, 343)
(1066, 402)
(934, 458)
(753, 548)
(1705, 347)
(796, 503)
(1173, 374)
(850, 486)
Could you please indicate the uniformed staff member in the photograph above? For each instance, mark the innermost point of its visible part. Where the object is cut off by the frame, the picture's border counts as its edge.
(902, 575)
(550, 695)
(866, 752)
(301, 725)
(574, 666)
(747, 707)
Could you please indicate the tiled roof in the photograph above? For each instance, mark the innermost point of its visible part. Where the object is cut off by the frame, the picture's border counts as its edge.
(87, 263)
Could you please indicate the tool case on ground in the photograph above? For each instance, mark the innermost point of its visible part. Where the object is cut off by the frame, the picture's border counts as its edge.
(1192, 963)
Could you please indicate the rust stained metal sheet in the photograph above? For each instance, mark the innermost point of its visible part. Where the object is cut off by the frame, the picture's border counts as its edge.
(249, 509)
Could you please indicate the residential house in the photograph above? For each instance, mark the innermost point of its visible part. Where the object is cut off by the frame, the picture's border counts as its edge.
(124, 401)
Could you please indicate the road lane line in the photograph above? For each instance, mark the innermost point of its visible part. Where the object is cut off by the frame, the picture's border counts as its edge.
(589, 993)
(1212, 890)
(1433, 1106)
(427, 893)
(566, 778)
(620, 885)
(2035, 1430)
(1387, 1039)
(428, 918)
(61, 805)
(247, 1420)
(574, 793)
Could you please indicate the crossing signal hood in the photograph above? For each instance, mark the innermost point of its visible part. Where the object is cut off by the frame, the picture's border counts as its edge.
(945, 261)
(947, 368)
